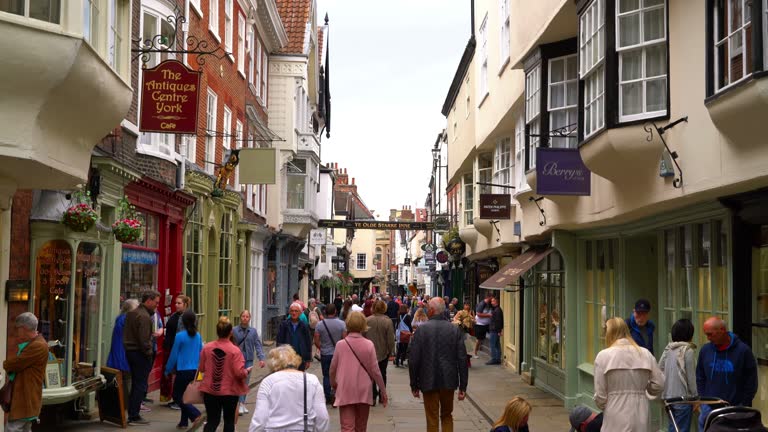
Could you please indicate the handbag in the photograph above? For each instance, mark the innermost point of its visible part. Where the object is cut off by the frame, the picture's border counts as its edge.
(306, 428)
(403, 334)
(6, 393)
(193, 394)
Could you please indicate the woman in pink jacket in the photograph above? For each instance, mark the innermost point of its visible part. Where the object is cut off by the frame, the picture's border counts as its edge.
(223, 367)
(353, 369)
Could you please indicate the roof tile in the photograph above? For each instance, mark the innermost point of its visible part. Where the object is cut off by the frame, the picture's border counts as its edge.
(295, 16)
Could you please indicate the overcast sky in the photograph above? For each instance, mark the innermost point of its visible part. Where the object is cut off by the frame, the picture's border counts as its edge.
(392, 63)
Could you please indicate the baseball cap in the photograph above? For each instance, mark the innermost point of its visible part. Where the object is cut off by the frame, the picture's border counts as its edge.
(642, 305)
(579, 414)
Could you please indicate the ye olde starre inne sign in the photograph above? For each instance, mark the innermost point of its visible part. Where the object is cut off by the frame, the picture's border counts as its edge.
(169, 98)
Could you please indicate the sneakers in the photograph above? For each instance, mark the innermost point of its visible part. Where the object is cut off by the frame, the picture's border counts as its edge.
(145, 408)
(138, 421)
(475, 356)
(173, 406)
(241, 409)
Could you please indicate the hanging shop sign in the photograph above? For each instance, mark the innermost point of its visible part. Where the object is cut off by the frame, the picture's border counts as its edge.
(372, 224)
(442, 257)
(442, 223)
(428, 247)
(429, 258)
(169, 98)
(495, 206)
(258, 166)
(317, 237)
(561, 172)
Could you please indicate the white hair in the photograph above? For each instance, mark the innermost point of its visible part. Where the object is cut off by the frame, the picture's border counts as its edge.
(437, 304)
(129, 305)
(28, 320)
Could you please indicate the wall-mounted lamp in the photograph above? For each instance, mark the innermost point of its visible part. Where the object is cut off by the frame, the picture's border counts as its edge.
(18, 290)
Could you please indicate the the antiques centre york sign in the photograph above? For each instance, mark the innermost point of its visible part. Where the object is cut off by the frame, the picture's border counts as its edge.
(495, 206)
(372, 224)
(169, 98)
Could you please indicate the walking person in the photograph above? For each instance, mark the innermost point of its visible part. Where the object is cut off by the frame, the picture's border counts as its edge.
(466, 322)
(640, 325)
(329, 332)
(137, 339)
(482, 321)
(184, 360)
(677, 365)
(172, 326)
(515, 416)
(495, 330)
(26, 370)
(419, 318)
(403, 336)
(354, 370)
(382, 334)
(438, 369)
(624, 374)
(392, 310)
(248, 340)
(726, 368)
(224, 372)
(117, 358)
(345, 309)
(295, 332)
(287, 394)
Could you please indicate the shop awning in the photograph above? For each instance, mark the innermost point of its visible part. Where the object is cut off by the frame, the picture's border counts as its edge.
(509, 274)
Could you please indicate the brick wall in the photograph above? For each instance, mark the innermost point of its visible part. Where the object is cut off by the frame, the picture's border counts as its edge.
(20, 235)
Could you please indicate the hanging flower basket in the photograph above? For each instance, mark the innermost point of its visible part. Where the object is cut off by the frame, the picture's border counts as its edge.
(127, 227)
(80, 216)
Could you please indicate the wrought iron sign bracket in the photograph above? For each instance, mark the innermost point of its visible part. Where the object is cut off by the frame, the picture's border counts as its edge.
(159, 44)
(498, 231)
(541, 210)
(678, 181)
(568, 131)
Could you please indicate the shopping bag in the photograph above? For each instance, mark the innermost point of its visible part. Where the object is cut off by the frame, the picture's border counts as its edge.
(469, 343)
(193, 395)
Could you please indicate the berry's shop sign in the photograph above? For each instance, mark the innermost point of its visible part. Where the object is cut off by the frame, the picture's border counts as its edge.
(169, 98)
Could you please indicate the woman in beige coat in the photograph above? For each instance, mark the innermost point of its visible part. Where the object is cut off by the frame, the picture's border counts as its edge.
(625, 376)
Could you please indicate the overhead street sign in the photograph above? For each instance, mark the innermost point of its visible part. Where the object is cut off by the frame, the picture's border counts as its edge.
(372, 224)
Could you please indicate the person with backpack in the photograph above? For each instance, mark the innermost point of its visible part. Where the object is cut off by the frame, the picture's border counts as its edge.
(678, 365)
(403, 336)
(248, 340)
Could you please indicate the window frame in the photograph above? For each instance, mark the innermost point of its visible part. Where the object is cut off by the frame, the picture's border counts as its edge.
(256, 80)
(193, 280)
(593, 73)
(504, 34)
(501, 169)
(240, 54)
(532, 114)
(226, 259)
(468, 198)
(210, 133)
(305, 176)
(264, 76)
(213, 18)
(27, 11)
(364, 261)
(238, 146)
(642, 46)
(747, 59)
(482, 88)
(566, 108)
(226, 131)
(228, 25)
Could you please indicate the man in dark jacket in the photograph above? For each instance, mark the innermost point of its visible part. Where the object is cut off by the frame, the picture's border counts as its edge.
(495, 331)
(437, 369)
(295, 333)
(392, 311)
(726, 368)
(137, 339)
(640, 327)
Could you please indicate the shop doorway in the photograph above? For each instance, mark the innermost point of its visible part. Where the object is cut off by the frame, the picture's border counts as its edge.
(641, 263)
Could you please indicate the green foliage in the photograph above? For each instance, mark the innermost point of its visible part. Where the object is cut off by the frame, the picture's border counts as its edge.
(80, 216)
(449, 235)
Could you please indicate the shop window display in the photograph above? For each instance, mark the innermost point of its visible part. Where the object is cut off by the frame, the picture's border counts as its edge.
(549, 298)
(53, 291)
(87, 306)
(600, 292)
(140, 259)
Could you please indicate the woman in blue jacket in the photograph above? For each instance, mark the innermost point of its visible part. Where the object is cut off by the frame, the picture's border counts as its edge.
(184, 359)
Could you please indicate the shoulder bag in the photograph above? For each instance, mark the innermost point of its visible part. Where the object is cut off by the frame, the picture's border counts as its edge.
(6, 393)
(403, 334)
(373, 382)
(192, 394)
(306, 428)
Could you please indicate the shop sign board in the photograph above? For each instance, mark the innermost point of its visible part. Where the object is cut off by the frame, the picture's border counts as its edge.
(170, 93)
(442, 223)
(495, 206)
(317, 237)
(373, 224)
(429, 258)
(561, 172)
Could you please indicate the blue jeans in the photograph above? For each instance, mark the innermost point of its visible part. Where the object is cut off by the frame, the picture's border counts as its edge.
(325, 363)
(495, 346)
(248, 363)
(188, 411)
(682, 414)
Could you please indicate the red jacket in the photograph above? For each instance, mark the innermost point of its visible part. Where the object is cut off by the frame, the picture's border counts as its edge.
(223, 367)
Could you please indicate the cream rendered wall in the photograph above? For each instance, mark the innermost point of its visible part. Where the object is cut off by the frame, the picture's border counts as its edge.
(364, 242)
(461, 128)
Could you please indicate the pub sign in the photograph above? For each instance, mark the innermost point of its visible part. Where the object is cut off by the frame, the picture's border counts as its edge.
(169, 98)
(495, 206)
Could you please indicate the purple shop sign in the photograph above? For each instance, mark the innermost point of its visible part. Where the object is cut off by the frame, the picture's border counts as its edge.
(561, 172)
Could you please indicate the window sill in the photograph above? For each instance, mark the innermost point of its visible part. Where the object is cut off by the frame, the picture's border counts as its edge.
(503, 67)
(622, 153)
(482, 99)
(587, 368)
(736, 110)
(198, 10)
(213, 33)
(231, 57)
(242, 73)
(148, 151)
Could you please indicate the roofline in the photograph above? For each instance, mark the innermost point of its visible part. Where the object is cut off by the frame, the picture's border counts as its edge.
(461, 72)
(270, 16)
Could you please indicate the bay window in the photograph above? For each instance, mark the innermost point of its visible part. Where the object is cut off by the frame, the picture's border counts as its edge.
(297, 180)
(532, 114)
(469, 199)
(502, 165)
(43, 10)
(562, 101)
(732, 42)
(485, 172)
(642, 51)
(592, 65)
(91, 26)
(115, 35)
